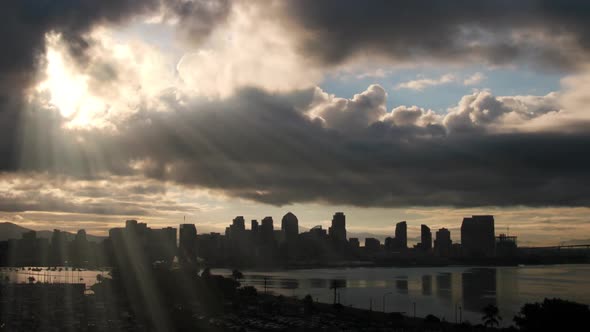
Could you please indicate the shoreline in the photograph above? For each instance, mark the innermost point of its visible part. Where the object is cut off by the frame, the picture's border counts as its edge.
(349, 265)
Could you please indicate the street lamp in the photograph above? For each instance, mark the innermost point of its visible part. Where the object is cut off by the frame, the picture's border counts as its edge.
(384, 295)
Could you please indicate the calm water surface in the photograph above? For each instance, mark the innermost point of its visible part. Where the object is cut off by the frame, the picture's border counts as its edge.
(19, 275)
(434, 290)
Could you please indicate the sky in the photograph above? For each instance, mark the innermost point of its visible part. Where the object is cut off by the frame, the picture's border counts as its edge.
(202, 110)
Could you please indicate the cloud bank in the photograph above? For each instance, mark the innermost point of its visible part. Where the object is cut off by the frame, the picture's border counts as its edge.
(549, 34)
(244, 118)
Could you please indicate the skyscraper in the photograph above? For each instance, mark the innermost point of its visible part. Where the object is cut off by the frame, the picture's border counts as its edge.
(161, 244)
(267, 231)
(372, 244)
(239, 224)
(187, 245)
(401, 235)
(425, 238)
(236, 232)
(290, 227)
(443, 243)
(79, 248)
(59, 252)
(477, 236)
(338, 230)
(354, 242)
(80, 236)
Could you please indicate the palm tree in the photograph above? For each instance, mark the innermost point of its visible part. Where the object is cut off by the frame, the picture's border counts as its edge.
(308, 304)
(491, 316)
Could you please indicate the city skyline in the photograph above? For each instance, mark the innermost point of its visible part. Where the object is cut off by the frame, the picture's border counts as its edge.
(289, 225)
(264, 245)
(161, 109)
(223, 165)
(452, 222)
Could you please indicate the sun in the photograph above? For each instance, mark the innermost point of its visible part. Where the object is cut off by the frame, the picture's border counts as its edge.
(67, 90)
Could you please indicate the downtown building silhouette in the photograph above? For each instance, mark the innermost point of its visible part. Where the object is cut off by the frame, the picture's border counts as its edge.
(259, 245)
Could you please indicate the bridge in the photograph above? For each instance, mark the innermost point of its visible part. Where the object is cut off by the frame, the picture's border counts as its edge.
(559, 247)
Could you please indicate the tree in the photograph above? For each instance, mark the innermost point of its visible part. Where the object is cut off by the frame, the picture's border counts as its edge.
(99, 278)
(553, 315)
(432, 319)
(491, 316)
(308, 305)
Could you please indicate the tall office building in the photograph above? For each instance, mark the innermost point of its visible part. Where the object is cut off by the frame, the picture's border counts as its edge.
(425, 238)
(338, 230)
(389, 243)
(372, 244)
(236, 232)
(80, 236)
(161, 244)
(354, 242)
(266, 230)
(79, 248)
(130, 224)
(239, 224)
(290, 227)
(59, 252)
(187, 245)
(477, 236)
(401, 235)
(443, 243)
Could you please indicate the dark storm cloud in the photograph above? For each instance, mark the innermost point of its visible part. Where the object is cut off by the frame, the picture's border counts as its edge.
(197, 19)
(266, 148)
(270, 148)
(447, 30)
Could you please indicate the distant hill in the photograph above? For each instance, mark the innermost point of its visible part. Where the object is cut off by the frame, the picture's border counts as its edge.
(10, 230)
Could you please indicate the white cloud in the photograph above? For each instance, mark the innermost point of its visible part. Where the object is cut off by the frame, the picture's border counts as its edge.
(412, 116)
(251, 49)
(377, 73)
(474, 79)
(350, 114)
(421, 84)
(115, 80)
(483, 111)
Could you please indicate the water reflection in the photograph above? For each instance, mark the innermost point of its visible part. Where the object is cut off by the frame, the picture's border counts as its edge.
(289, 283)
(317, 283)
(51, 275)
(427, 285)
(479, 288)
(444, 286)
(402, 286)
(434, 290)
